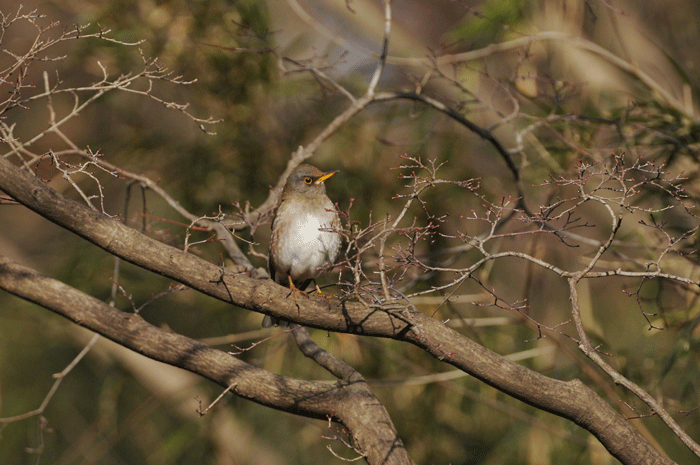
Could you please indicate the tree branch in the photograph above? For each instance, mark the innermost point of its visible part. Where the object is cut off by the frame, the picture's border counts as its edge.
(571, 400)
(350, 403)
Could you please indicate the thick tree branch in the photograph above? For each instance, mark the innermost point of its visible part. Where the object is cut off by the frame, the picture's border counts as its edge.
(348, 402)
(571, 400)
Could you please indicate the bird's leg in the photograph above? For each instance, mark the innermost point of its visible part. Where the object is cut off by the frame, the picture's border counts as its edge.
(294, 291)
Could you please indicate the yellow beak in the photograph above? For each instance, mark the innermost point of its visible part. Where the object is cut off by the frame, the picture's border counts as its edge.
(325, 176)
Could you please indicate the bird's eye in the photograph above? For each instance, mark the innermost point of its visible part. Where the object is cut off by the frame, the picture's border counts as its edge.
(308, 180)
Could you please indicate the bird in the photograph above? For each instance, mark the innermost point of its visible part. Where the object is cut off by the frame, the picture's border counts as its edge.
(304, 239)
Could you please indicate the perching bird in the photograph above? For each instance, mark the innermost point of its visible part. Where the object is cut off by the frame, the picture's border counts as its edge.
(302, 239)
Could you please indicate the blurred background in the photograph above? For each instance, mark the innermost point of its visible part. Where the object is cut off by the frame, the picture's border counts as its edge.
(610, 76)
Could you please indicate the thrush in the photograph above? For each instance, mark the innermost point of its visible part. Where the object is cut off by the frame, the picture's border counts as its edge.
(303, 241)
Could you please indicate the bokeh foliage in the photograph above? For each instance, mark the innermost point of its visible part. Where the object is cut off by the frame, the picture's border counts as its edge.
(118, 408)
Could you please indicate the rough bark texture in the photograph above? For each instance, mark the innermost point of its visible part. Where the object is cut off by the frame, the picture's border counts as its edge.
(349, 402)
(571, 400)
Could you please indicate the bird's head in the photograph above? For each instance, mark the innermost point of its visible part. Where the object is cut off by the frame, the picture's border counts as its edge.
(306, 180)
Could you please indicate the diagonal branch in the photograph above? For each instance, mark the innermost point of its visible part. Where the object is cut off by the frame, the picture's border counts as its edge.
(571, 400)
(350, 403)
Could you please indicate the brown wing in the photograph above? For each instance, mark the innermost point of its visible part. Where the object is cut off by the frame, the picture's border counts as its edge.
(270, 266)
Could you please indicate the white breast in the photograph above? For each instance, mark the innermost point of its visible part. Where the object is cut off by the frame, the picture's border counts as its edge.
(305, 247)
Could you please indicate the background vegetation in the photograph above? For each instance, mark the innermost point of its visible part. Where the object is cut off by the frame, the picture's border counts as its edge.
(573, 81)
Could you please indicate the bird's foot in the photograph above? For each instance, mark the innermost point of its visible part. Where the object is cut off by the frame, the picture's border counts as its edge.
(328, 297)
(293, 290)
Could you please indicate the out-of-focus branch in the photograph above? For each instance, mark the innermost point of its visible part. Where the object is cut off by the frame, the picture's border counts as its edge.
(523, 42)
(460, 118)
(322, 357)
(59, 379)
